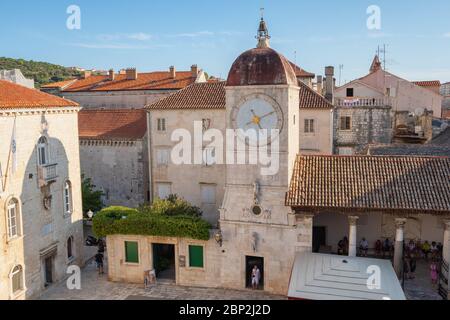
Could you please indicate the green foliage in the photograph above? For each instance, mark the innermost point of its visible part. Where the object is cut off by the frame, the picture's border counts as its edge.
(41, 72)
(92, 199)
(126, 221)
(173, 206)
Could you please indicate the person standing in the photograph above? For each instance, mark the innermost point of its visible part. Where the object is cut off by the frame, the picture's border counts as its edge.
(364, 247)
(256, 277)
(99, 261)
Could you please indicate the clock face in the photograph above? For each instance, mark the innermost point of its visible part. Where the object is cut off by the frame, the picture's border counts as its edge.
(258, 113)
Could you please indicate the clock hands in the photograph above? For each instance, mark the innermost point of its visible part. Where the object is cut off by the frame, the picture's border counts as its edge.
(257, 120)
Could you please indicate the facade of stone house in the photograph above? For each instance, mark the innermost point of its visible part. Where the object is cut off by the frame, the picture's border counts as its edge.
(128, 89)
(203, 183)
(41, 224)
(267, 220)
(383, 108)
(113, 153)
(16, 77)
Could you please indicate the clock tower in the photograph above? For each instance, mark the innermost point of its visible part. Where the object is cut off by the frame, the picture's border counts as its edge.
(262, 96)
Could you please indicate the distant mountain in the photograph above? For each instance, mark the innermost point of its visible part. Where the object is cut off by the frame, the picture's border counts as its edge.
(41, 72)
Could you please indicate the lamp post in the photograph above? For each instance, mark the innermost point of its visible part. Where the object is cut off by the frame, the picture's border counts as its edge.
(90, 214)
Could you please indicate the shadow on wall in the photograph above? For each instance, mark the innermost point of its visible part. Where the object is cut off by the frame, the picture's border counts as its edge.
(51, 223)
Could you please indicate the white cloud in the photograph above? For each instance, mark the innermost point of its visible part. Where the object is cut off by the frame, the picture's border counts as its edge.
(139, 36)
(193, 34)
(447, 35)
(118, 46)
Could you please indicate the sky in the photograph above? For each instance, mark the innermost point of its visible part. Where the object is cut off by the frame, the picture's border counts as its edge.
(154, 34)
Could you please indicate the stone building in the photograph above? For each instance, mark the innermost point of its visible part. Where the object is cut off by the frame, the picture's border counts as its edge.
(114, 154)
(268, 219)
(128, 89)
(16, 76)
(383, 108)
(445, 92)
(41, 224)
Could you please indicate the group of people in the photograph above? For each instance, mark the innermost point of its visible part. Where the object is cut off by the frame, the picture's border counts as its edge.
(417, 250)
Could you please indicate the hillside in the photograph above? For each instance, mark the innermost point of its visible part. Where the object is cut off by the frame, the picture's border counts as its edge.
(41, 72)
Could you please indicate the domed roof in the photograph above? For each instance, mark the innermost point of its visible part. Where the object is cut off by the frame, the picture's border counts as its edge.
(261, 66)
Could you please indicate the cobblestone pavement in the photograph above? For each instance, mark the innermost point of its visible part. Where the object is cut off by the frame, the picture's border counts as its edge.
(96, 287)
(421, 288)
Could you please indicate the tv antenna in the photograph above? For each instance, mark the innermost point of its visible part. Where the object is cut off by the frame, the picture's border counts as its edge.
(341, 69)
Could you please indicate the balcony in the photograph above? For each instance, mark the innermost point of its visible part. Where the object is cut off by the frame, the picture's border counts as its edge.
(363, 102)
(47, 174)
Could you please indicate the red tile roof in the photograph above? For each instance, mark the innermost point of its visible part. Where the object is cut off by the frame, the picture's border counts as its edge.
(145, 81)
(59, 84)
(301, 73)
(433, 83)
(212, 96)
(360, 184)
(112, 124)
(16, 96)
(310, 99)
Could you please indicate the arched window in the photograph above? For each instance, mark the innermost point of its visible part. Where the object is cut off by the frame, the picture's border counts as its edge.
(70, 254)
(13, 217)
(17, 279)
(67, 197)
(43, 151)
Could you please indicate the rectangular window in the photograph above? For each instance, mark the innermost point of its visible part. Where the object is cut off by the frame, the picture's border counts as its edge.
(12, 221)
(309, 126)
(346, 123)
(131, 252)
(162, 157)
(208, 194)
(161, 125)
(350, 92)
(196, 257)
(164, 190)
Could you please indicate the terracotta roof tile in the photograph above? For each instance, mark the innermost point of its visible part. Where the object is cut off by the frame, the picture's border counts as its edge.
(210, 95)
(311, 99)
(401, 184)
(301, 73)
(112, 124)
(16, 96)
(144, 81)
(433, 83)
(59, 84)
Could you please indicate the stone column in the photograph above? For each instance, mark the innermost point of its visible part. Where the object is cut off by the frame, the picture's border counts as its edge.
(446, 249)
(305, 232)
(446, 243)
(399, 240)
(352, 220)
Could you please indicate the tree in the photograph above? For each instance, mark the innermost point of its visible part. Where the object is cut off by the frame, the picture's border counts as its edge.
(92, 199)
(173, 206)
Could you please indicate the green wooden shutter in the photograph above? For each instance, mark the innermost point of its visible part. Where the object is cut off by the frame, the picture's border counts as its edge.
(196, 256)
(131, 252)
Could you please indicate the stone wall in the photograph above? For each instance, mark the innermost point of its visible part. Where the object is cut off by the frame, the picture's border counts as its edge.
(369, 125)
(42, 231)
(118, 168)
(117, 100)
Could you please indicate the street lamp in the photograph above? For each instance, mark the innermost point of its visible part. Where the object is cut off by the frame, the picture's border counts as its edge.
(90, 214)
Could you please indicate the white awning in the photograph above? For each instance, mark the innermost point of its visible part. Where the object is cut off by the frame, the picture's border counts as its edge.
(332, 277)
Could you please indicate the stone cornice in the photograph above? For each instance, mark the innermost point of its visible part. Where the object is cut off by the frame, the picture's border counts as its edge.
(12, 112)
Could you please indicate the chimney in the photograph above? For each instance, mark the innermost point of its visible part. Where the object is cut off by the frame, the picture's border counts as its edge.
(320, 84)
(87, 74)
(131, 74)
(329, 84)
(122, 71)
(194, 71)
(173, 73)
(111, 75)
